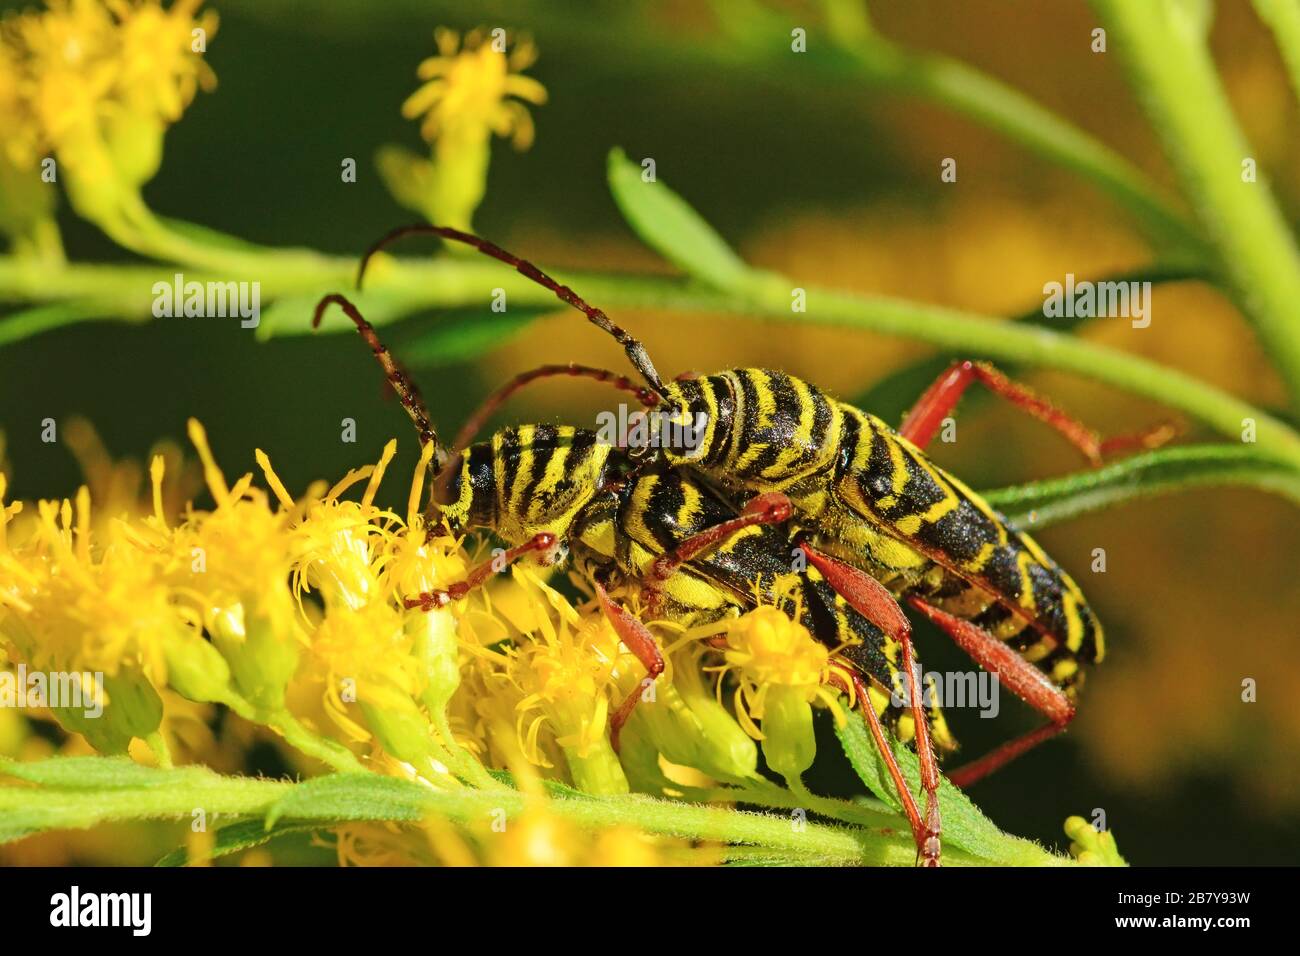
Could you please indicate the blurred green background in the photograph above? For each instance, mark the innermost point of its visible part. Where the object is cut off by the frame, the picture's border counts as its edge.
(804, 170)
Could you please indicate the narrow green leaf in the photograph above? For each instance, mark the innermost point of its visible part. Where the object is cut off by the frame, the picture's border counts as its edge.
(25, 323)
(407, 176)
(100, 773)
(963, 825)
(1040, 503)
(238, 836)
(1283, 18)
(667, 224)
(351, 796)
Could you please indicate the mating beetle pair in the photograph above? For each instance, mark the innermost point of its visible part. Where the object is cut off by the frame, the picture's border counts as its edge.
(706, 529)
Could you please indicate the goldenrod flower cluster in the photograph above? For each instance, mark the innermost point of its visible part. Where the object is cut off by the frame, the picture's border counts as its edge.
(92, 85)
(291, 613)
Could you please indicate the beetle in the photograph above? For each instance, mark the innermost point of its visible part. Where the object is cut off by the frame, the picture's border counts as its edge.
(630, 522)
(880, 521)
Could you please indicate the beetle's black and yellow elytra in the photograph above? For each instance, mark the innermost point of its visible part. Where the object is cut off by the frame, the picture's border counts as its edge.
(873, 499)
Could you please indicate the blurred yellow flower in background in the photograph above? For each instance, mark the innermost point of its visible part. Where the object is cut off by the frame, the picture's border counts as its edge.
(475, 88)
(472, 91)
(94, 84)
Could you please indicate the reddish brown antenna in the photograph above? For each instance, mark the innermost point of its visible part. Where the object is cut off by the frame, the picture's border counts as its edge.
(636, 352)
(407, 391)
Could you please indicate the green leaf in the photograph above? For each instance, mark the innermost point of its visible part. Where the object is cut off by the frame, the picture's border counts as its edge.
(667, 224)
(41, 318)
(1040, 503)
(351, 796)
(81, 792)
(98, 773)
(238, 836)
(963, 824)
(207, 236)
(407, 176)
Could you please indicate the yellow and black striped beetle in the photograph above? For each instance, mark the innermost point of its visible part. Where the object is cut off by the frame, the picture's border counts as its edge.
(638, 524)
(866, 498)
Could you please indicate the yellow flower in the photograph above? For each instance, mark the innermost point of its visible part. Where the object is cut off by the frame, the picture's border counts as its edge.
(336, 543)
(95, 82)
(160, 62)
(21, 140)
(767, 649)
(1090, 846)
(471, 92)
(780, 671)
(70, 608)
(688, 725)
(566, 674)
(468, 89)
(68, 69)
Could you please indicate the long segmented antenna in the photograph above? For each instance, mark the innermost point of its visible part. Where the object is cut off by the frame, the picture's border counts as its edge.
(406, 390)
(636, 352)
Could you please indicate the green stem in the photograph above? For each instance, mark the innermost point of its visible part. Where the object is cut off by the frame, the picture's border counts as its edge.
(1005, 109)
(59, 795)
(1170, 66)
(328, 752)
(1178, 468)
(405, 286)
(1283, 18)
(158, 744)
(463, 763)
(966, 334)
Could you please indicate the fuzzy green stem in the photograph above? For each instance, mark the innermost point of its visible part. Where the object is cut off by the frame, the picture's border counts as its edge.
(405, 286)
(329, 752)
(1006, 110)
(158, 744)
(463, 763)
(1169, 63)
(67, 793)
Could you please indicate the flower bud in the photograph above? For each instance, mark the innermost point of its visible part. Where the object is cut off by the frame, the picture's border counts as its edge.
(434, 645)
(196, 669)
(127, 706)
(596, 770)
(689, 727)
(789, 744)
(400, 727)
(261, 659)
